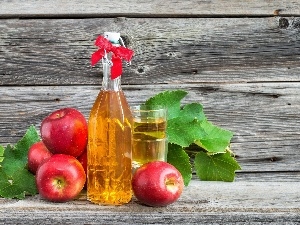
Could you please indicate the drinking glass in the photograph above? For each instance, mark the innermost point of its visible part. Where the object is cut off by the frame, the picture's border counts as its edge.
(149, 136)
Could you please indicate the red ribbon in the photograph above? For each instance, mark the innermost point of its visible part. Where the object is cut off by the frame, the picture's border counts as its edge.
(119, 53)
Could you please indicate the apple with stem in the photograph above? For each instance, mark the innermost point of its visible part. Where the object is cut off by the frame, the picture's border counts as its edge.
(37, 153)
(157, 183)
(60, 178)
(65, 131)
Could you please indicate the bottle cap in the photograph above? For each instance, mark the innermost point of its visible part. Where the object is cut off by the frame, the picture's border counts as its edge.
(112, 37)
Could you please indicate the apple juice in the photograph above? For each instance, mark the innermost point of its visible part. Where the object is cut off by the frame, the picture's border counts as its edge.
(109, 149)
(109, 129)
(149, 141)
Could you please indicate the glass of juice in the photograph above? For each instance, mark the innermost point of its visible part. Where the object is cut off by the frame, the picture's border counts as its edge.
(149, 136)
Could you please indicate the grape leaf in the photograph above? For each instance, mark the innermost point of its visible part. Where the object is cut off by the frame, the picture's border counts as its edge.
(216, 140)
(186, 127)
(6, 162)
(180, 159)
(1, 153)
(192, 112)
(16, 157)
(170, 100)
(22, 182)
(183, 133)
(31, 136)
(16, 181)
(215, 167)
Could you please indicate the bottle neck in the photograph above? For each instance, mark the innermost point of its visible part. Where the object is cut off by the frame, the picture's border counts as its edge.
(107, 82)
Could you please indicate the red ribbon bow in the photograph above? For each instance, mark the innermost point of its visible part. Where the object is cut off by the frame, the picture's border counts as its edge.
(119, 53)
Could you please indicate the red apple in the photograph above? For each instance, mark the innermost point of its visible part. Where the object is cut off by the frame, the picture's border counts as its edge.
(65, 131)
(157, 183)
(60, 178)
(83, 160)
(37, 153)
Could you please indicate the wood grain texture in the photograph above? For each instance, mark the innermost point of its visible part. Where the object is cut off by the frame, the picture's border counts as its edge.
(259, 176)
(239, 59)
(167, 51)
(262, 116)
(200, 203)
(167, 8)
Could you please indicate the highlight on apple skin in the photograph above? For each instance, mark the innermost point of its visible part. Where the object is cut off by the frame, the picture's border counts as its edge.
(157, 183)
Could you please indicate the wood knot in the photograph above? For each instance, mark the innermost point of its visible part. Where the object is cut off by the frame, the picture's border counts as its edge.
(283, 23)
(277, 11)
(274, 159)
(141, 70)
(194, 71)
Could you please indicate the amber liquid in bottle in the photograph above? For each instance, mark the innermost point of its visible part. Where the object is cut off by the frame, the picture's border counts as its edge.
(109, 145)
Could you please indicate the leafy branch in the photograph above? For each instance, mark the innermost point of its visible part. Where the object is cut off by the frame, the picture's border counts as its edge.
(192, 136)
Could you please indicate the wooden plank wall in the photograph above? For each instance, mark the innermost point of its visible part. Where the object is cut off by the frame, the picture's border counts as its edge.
(240, 59)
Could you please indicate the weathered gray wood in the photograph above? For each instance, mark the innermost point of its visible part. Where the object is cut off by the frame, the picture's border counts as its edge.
(259, 176)
(200, 203)
(195, 50)
(262, 116)
(170, 8)
(240, 59)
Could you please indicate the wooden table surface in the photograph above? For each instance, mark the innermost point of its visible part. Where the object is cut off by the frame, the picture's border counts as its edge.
(239, 59)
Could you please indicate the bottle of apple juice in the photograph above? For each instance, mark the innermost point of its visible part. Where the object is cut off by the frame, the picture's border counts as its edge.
(109, 128)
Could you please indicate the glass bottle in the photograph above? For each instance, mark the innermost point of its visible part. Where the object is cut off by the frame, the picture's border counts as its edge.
(109, 142)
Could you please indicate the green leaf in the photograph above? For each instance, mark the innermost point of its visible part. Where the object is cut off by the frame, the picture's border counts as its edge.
(170, 100)
(31, 136)
(184, 133)
(9, 166)
(216, 140)
(192, 112)
(186, 127)
(180, 159)
(216, 167)
(1, 153)
(189, 125)
(15, 158)
(21, 183)
(16, 181)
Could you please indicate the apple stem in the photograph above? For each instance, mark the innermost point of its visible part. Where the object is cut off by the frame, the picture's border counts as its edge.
(170, 182)
(59, 183)
(171, 185)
